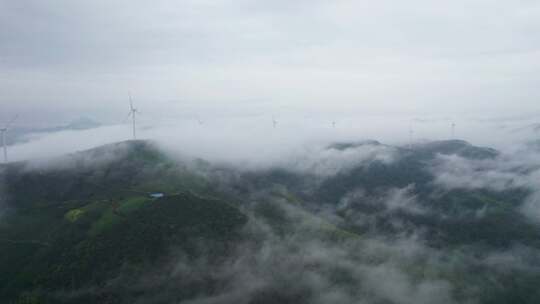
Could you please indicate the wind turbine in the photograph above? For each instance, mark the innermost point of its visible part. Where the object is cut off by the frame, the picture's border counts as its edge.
(333, 124)
(132, 112)
(274, 121)
(453, 130)
(4, 131)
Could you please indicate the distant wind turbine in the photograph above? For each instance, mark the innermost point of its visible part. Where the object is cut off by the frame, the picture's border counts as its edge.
(453, 130)
(132, 112)
(333, 124)
(274, 121)
(4, 130)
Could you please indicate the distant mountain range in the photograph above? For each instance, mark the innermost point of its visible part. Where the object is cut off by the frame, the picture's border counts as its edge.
(535, 127)
(21, 134)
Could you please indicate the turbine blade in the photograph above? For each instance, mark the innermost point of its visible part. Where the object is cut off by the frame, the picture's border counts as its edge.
(128, 116)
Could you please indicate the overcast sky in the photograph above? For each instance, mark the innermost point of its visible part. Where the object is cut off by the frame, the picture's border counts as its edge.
(414, 58)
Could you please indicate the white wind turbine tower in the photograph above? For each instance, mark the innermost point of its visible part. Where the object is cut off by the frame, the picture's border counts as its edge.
(132, 112)
(274, 121)
(453, 130)
(4, 131)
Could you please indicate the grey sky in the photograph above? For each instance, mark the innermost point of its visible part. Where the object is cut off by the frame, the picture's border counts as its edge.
(418, 57)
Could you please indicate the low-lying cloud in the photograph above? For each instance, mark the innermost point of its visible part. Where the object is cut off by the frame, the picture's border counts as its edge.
(518, 168)
(251, 139)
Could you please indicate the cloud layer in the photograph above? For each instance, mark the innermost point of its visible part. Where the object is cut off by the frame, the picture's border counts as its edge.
(417, 57)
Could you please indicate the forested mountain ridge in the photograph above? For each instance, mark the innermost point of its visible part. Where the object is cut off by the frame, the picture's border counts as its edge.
(129, 223)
